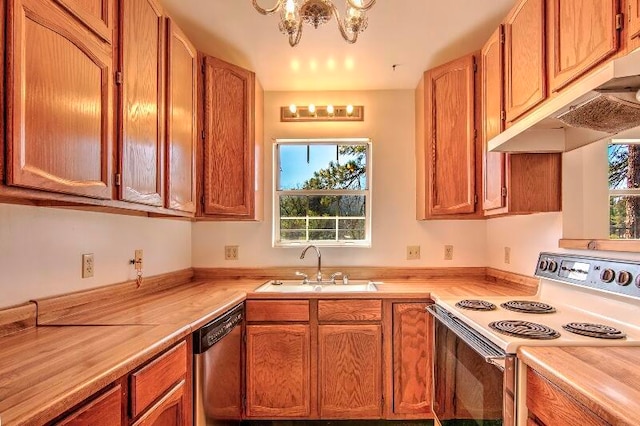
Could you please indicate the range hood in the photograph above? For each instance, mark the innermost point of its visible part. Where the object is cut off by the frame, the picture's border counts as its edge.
(600, 106)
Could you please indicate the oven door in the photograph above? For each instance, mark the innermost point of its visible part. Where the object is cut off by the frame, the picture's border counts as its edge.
(469, 375)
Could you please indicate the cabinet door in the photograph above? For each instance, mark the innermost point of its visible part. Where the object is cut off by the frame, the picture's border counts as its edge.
(98, 15)
(412, 363)
(634, 18)
(142, 88)
(450, 126)
(105, 410)
(350, 371)
(278, 371)
(229, 140)
(181, 120)
(59, 109)
(492, 123)
(582, 33)
(525, 81)
(170, 410)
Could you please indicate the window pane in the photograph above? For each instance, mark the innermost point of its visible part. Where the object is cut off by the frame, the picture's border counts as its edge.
(322, 166)
(351, 205)
(624, 217)
(351, 229)
(294, 205)
(322, 235)
(624, 166)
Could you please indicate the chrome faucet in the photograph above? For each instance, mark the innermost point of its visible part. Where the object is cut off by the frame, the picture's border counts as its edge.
(319, 273)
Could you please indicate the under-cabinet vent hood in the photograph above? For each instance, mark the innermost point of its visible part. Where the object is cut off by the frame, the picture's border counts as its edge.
(600, 106)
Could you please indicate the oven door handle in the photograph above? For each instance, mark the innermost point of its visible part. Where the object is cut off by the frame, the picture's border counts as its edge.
(486, 349)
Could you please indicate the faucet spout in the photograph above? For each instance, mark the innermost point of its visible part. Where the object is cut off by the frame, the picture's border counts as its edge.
(319, 272)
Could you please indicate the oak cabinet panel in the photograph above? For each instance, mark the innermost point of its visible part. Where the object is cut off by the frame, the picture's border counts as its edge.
(634, 18)
(278, 371)
(446, 150)
(142, 97)
(170, 410)
(104, 410)
(524, 55)
(412, 362)
(97, 15)
(59, 117)
(232, 135)
(350, 371)
(182, 65)
(581, 34)
(492, 122)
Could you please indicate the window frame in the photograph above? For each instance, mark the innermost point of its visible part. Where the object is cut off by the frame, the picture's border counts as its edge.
(277, 193)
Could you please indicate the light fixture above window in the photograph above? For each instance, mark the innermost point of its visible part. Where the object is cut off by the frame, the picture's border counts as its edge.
(322, 113)
(293, 13)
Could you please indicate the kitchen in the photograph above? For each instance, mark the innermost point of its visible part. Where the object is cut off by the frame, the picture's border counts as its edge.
(58, 237)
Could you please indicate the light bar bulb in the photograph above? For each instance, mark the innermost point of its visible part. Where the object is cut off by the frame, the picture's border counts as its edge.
(293, 109)
(330, 110)
(349, 110)
(312, 109)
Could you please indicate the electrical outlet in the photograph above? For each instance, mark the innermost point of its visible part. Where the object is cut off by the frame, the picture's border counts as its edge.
(230, 252)
(413, 252)
(507, 255)
(448, 252)
(87, 265)
(137, 259)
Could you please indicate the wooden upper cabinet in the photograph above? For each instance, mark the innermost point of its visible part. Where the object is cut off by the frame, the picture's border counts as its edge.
(412, 361)
(142, 41)
(525, 83)
(581, 34)
(59, 102)
(492, 121)
(446, 146)
(182, 65)
(633, 19)
(231, 141)
(350, 371)
(97, 15)
(104, 410)
(278, 371)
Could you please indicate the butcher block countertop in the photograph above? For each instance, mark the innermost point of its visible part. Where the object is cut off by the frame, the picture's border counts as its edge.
(84, 341)
(603, 379)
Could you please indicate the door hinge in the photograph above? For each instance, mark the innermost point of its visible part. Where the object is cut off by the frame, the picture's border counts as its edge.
(202, 135)
(504, 191)
(475, 133)
(619, 21)
(244, 336)
(118, 77)
(244, 403)
(118, 179)
(203, 67)
(475, 67)
(475, 198)
(503, 115)
(502, 40)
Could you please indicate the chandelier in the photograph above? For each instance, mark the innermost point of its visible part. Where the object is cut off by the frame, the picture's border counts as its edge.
(293, 13)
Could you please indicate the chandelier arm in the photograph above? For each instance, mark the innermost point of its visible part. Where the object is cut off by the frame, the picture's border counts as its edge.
(365, 6)
(293, 41)
(343, 30)
(269, 11)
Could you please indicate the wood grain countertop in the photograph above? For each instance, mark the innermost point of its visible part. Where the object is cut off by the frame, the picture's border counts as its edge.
(86, 340)
(603, 379)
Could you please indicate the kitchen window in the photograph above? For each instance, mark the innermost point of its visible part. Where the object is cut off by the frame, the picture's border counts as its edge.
(624, 189)
(322, 192)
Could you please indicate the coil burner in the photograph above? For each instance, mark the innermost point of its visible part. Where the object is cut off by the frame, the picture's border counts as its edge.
(476, 305)
(524, 329)
(528, 307)
(598, 331)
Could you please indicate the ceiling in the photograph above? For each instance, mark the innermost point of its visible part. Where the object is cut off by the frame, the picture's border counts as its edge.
(413, 34)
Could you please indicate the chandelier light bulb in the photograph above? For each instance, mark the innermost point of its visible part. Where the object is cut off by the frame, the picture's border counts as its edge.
(638, 95)
(349, 110)
(290, 9)
(312, 109)
(293, 109)
(330, 110)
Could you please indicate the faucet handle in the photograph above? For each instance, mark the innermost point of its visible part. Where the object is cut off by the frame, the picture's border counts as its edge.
(345, 279)
(305, 277)
(336, 274)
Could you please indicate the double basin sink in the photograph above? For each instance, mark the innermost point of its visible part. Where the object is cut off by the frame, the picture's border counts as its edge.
(297, 286)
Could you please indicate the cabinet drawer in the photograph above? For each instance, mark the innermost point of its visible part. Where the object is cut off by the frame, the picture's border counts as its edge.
(277, 310)
(104, 410)
(154, 379)
(553, 406)
(349, 310)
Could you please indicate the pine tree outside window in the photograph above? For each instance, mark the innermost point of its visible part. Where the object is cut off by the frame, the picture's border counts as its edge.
(624, 189)
(322, 192)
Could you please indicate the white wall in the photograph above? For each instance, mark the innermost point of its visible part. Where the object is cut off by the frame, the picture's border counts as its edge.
(41, 249)
(389, 122)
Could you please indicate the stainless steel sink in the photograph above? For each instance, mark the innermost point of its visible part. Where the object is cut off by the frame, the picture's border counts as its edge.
(296, 286)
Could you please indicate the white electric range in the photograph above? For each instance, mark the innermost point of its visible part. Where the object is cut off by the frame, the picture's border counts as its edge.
(581, 301)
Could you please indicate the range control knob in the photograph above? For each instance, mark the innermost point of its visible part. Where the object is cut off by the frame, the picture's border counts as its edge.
(607, 275)
(543, 265)
(624, 278)
(553, 266)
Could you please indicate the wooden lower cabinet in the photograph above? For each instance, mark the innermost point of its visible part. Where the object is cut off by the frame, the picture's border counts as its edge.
(350, 371)
(172, 409)
(278, 371)
(412, 363)
(104, 410)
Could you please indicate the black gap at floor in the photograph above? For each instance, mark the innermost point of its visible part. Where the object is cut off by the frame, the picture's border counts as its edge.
(338, 423)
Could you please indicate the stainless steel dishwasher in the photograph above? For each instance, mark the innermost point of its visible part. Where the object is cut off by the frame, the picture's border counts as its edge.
(217, 349)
